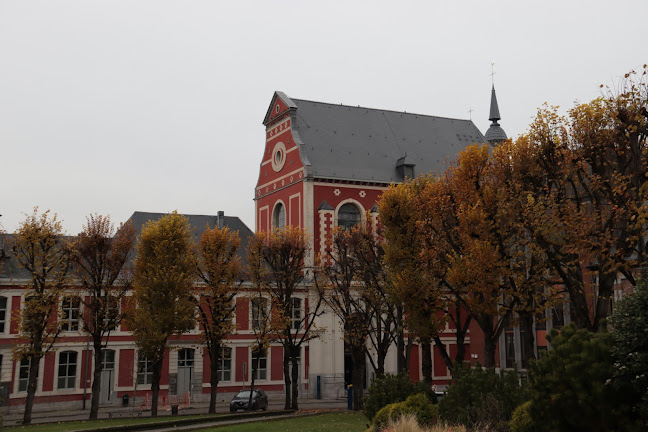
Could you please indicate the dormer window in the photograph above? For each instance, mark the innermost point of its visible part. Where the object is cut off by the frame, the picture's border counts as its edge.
(405, 167)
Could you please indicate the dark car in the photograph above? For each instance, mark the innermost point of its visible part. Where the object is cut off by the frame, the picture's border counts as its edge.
(242, 398)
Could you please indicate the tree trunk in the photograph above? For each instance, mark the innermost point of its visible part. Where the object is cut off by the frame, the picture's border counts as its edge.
(287, 382)
(426, 363)
(254, 369)
(295, 382)
(155, 386)
(444, 353)
(605, 292)
(400, 342)
(490, 345)
(528, 338)
(96, 380)
(357, 377)
(31, 389)
(213, 379)
(408, 353)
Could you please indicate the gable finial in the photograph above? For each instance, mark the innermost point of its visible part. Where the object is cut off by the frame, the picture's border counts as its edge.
(492, 74)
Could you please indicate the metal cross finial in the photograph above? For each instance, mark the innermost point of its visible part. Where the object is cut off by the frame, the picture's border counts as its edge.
(492, 74)
(470, 111)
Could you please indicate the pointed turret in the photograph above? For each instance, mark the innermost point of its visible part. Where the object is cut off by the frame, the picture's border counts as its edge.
(495, 134)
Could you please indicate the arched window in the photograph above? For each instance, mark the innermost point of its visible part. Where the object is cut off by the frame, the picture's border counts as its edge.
(348, 216)
(279, 216)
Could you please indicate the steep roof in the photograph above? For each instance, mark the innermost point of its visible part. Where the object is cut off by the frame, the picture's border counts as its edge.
(355, 143)
(495, 134)
(10, 270)
(198, 224)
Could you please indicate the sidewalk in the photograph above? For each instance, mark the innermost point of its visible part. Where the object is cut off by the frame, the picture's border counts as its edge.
(51, 416)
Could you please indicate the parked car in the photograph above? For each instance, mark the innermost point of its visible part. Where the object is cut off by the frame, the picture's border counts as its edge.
(242, 398)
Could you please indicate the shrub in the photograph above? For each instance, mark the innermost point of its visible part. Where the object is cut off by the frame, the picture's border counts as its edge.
(481, 397)
(571, 385)
(630, 348)
(391, 389)
(521, 419)
(417, 406)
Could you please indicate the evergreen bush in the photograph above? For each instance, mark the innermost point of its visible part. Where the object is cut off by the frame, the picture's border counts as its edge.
(391, 389)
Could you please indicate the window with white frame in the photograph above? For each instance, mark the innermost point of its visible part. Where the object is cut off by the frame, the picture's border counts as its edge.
(3, 313)
(225, 364)
(295, 313)
(67, 370)
(259, 312)
(23, 375)
(70, 312)
(259, 365)
(144, 371)
(111, 312)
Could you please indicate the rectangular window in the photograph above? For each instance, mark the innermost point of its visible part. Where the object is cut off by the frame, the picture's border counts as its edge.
(71, 307)
(3, 313)
(108, 359)
(111, 312)
(67, 370)
(23, 375)
(144, 371)
(259, 312)
(225, 364)
(295, 313)
(261, 366)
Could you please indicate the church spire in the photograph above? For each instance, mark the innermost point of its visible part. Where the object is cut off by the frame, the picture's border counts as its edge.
(494, 109)
(495, 134)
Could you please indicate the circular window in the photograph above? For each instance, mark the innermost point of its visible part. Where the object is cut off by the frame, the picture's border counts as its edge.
(278, 156)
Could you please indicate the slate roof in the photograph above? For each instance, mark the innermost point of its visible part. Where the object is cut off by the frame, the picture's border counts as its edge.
(198, 224)
(364, 144)
(10, 270)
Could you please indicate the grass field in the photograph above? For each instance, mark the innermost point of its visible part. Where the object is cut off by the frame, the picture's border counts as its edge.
(329, 422)
(85, 425)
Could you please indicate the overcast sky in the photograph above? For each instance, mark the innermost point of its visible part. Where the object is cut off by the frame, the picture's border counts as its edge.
(118, 106)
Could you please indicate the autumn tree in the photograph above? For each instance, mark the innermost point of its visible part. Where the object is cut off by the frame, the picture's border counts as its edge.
(586, 194)
(342, 290)
(165, 270)
(276, 263)
(418, 290)
(219, 267)
(100, 255)
(38, 246)
(263, 334)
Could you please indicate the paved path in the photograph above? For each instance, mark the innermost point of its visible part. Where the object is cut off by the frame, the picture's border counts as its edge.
(15, 415)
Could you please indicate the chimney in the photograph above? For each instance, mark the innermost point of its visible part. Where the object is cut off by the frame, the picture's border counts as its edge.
(220, 219)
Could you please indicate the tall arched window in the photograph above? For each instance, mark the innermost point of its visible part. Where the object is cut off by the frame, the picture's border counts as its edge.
(279, 216)
(348, 216)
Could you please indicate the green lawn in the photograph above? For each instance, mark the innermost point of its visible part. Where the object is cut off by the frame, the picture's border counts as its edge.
(85, 425)
(329, 422)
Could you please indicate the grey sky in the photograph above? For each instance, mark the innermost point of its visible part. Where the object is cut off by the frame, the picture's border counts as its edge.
(118, 106)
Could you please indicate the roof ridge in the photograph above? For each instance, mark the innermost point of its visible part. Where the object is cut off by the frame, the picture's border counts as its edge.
(379, 109)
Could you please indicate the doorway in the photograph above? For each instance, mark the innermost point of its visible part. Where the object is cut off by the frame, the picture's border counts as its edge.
(185, 370)
(107, 376)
